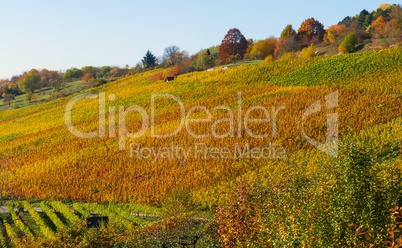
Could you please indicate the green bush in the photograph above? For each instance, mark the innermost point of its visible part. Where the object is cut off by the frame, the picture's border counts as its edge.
(348, 43)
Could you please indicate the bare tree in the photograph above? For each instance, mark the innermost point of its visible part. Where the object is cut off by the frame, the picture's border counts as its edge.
(172, 56)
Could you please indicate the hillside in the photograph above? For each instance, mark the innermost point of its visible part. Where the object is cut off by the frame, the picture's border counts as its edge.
(39, 144)
(42, 159)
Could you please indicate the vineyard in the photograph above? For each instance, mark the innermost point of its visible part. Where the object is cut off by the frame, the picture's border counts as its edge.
(34, 224)
(296, 197)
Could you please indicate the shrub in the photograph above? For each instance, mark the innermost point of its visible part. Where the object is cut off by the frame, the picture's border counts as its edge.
(28, 96)
(99, 82)
(348, 43)
(287, 56)
(269, 59)
(61, 94)
(344, 203)
(156, 76)
(308, 52)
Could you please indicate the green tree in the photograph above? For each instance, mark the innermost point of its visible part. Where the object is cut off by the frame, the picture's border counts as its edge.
(89, 69)
(149, 60)
(56, 84)
(383, 10)
(104, 71)
(10, 88)
(367, 21)
(73, 73)
(287, 32)
(206, 58)
(347, 21)
(203, 60)
(28, 96)
(361, 20)
(348, 43)
(287, 42)
(30, 82)
(234, 45)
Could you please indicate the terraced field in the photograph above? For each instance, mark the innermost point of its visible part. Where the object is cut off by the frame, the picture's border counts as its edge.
(294, 186)
(24, 221)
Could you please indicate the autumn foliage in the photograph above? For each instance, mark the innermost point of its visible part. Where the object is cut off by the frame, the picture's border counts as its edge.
(286, 42)
(306, 198)
(348, 43)
(310, 32)
(263, 48)
(68, 167)
(233, 46)
(335, 33)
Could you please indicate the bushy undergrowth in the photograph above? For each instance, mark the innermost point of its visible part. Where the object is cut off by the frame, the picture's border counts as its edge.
(345, 203)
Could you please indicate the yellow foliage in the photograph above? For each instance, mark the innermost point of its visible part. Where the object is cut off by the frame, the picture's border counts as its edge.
(269, 59)
(42, 159)
(308, 52)
(287, 56)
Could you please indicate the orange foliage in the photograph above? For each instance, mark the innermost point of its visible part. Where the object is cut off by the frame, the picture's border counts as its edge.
(263, 48)
(378, 25)
(42, 159)
(310, 32)
(87, 77)
(336, 33)
(156, 76)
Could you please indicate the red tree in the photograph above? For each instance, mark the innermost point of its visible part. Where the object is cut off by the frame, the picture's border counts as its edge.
(233, 45)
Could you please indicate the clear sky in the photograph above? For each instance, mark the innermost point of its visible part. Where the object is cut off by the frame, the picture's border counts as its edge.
(58, 35)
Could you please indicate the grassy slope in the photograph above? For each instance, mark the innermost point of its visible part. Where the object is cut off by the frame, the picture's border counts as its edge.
(43, 95)
(44, 160)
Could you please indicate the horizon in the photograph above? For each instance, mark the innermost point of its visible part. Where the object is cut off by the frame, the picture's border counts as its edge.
(104, 33)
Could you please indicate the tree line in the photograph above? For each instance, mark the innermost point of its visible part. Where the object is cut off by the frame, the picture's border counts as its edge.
(33, 80)
(381, 27)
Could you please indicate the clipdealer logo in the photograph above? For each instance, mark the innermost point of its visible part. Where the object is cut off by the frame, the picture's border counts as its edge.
(331, 144)
(238, 120)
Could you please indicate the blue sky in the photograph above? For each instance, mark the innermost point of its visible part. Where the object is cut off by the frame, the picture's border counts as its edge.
(59, 34)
